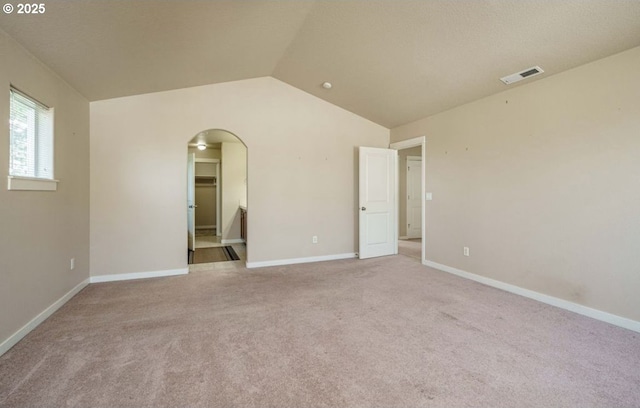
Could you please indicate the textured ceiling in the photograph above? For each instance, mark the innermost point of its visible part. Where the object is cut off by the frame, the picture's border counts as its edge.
(112, 48)
(391, 61)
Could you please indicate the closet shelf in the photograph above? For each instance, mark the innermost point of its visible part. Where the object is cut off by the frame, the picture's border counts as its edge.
(209, 181)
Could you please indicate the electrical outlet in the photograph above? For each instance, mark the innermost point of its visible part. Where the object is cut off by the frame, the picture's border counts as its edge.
(465, 251)
(314, 239)
(72, 264)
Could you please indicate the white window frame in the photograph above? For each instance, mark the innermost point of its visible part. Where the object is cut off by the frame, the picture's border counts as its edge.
(16, 182)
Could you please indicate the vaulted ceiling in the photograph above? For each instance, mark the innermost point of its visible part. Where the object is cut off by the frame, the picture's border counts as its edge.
(391, 61)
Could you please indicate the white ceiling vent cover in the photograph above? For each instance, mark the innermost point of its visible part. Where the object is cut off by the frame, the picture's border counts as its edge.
(527, 73)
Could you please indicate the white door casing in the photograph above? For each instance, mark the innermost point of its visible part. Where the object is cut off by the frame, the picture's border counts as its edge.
(414, 197)
(191, 201)
(378, 182)
(218, 202)
(407, 144)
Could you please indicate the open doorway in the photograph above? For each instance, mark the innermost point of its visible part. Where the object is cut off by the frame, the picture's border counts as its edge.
(411, 197)
(216, 199)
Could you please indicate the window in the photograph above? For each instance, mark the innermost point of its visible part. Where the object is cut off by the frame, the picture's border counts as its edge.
(31, 143)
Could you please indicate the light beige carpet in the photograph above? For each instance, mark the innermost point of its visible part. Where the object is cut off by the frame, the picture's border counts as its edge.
(382, 332)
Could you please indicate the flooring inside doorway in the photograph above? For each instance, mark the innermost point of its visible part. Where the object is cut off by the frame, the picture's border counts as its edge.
(207, 239)
(410, 247)
(214, 254)
(209, 252)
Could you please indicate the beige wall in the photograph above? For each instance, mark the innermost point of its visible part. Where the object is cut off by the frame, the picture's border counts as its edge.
(234, 188)
(41, 231)
(402, 187)
(542, 183)
(301, 172)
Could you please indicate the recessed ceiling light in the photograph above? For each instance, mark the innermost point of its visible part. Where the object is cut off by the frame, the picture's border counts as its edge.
(326, 85)
(202, 146)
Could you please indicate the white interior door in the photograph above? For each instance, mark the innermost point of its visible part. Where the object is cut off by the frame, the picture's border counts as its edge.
(378, 202)
(414, 197)
(191, 201)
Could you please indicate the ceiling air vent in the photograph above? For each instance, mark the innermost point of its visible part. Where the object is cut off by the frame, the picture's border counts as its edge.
(529, 72)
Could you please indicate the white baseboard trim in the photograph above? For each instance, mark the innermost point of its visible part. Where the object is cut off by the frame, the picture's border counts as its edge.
(403, 237)
(292, 261)
(138, 275)
(17, 336)
(232, 241)
(540, 297)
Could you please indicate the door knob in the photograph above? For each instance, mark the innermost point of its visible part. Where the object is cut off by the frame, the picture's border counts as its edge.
(364, 208)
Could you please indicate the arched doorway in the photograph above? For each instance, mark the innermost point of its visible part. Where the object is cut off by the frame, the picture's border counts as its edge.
(216, 199)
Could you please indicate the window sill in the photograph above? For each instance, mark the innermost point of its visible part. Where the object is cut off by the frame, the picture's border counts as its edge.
(31, 184)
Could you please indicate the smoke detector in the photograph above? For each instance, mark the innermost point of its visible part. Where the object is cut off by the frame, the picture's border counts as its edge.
(519, 76)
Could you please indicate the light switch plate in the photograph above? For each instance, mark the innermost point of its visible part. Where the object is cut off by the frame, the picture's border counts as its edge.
(428, 196)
